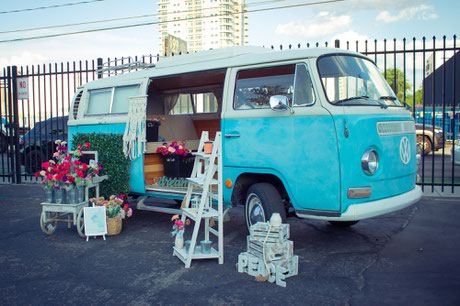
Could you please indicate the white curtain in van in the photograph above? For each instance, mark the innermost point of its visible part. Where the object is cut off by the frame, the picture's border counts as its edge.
(134, 137)
(170, 100)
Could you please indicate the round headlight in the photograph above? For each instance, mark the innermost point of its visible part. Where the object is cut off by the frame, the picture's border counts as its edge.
(370, 162)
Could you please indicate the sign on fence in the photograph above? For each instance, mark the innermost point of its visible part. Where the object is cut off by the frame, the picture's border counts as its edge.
(23, 88)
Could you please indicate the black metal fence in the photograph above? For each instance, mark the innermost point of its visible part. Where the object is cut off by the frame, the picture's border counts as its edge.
(423, 72)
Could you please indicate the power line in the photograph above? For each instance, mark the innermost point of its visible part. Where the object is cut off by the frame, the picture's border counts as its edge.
(125, 18)
(51, 6)
(167, 21)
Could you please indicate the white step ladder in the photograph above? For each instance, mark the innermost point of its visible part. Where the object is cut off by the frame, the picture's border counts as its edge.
(203, 179)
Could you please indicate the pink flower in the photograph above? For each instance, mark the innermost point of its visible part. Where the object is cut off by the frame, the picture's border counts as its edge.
(43, 173)
(130, 213)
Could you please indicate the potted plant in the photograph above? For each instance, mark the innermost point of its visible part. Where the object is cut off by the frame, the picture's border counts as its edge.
(177, 160)
(178, 230)
(117, 209)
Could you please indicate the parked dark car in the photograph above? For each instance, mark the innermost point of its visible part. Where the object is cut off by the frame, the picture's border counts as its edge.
(38, 144)
(429, 140)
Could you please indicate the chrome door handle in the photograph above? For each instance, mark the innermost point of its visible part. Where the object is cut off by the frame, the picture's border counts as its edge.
(232, 135)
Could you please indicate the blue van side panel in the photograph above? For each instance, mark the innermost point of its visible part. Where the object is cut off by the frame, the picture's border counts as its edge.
(300, 150)
(136, 178)
(392, 177)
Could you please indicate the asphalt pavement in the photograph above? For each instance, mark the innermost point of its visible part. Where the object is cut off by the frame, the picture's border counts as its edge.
(405, 258)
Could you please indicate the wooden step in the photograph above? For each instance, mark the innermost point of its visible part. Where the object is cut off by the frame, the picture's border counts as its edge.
(192, 213)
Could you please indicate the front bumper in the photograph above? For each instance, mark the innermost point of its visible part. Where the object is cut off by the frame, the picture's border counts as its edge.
(374, 208)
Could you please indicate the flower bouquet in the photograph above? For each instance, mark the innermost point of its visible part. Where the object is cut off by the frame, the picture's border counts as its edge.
(178, 230)
(65, 172)
(177, 160)
(117, 209)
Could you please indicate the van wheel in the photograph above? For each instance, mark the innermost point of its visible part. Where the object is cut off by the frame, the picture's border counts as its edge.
(425, 145)
(343, 223)
(262, 200)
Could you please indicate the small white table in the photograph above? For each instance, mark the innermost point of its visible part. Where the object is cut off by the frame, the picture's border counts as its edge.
(52, 213)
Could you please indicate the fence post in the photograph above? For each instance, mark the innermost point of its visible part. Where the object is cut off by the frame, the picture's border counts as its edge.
(14, 123)
(337, 43)
(99, 68)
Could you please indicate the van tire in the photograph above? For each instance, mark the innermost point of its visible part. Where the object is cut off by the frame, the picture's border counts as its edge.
(343, 223)
(262, 200)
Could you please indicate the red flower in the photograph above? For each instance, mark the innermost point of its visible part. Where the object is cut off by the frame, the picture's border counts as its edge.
(84, 166)
(68, 157)
(45, 165)
(79, 146)
(77, 162)
(126, 206)
(87, 145)
(80, 174)
(58, 177)
(49, 177)
(71, 179)
(37, 174)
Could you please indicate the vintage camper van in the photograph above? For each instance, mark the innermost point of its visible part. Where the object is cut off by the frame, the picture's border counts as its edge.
(315, 132)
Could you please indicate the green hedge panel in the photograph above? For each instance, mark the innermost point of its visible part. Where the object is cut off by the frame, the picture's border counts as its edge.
(112, 159)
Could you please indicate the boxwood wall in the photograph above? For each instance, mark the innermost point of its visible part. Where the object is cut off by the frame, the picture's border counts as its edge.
(112, 159)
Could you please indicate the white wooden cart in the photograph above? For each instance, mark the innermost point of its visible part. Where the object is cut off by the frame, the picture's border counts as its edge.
(72, 214)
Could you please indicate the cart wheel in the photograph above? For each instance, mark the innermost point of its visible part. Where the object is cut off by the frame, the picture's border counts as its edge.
(81, 224)
(48, 227)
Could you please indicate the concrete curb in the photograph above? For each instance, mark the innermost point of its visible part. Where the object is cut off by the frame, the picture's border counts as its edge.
(439, 193)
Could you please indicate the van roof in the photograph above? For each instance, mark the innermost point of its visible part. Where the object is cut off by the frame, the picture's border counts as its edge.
(213, 59)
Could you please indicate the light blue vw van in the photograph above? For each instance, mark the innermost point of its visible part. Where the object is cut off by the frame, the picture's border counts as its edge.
(315, 132)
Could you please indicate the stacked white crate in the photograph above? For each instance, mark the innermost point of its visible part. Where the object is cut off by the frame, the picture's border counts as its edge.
(277, 256)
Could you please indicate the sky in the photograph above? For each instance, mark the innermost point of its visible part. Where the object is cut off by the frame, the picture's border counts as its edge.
(323, 22)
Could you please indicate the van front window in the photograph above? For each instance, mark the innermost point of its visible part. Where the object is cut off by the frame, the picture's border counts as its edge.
(351, 80)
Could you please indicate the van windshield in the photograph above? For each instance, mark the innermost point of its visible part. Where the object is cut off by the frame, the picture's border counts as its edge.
(351, 80)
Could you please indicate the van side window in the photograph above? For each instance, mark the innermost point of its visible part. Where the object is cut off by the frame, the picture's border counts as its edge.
(111, 100)
(303, 89)
(99, 101)
(254, 87)
(120, 104)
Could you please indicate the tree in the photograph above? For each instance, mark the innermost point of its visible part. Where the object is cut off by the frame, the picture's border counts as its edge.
(418, 97)
(396, 80)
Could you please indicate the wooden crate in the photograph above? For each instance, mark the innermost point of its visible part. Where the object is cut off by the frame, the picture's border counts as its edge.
(260, 231)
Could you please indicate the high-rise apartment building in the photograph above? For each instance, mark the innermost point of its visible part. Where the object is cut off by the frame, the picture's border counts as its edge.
(203, 24)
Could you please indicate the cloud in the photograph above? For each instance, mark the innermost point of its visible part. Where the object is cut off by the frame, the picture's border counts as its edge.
(321, 25)
(349, 36)
(421, 12)
(374, 5)
(24, 58)
(78, 47)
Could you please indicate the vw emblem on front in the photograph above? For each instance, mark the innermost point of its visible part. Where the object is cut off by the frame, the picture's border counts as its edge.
(404, 150)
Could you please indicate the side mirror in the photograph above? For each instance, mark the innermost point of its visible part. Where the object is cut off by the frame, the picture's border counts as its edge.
(279, 103)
